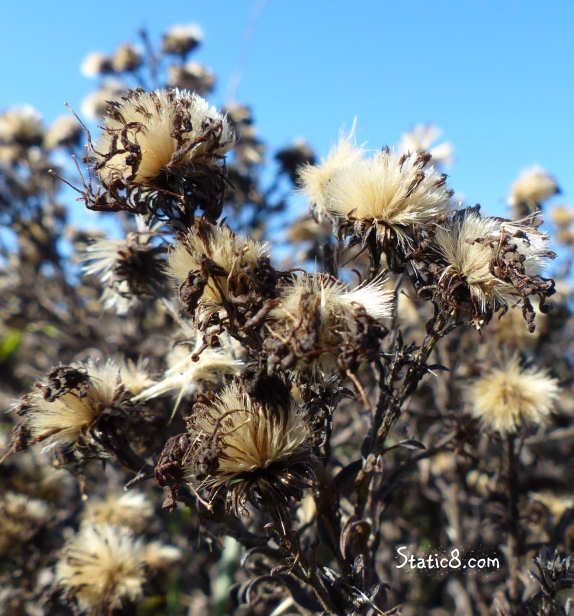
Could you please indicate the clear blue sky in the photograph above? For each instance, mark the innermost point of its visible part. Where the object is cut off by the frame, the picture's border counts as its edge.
(497, 77)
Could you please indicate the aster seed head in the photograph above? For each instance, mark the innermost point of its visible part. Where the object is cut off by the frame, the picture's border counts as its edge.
(214, 265)
(490, 263)
(512, 396)
(163, 150)
(248, 450)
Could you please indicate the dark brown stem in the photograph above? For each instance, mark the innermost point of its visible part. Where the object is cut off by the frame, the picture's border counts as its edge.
(289, 543)
(513, 523)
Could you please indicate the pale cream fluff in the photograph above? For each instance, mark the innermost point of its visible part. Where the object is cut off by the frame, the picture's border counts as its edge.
(533, 186)
(232, 253)
(184, 375)
(421, 138)
(389, 189)
(102, 566)
(62, 420)
(511, 396)
(315, 179)
(149, 122)
(462, 244)
(250, 436)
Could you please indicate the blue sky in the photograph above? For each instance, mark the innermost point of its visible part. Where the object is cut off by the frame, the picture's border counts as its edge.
(497, 77)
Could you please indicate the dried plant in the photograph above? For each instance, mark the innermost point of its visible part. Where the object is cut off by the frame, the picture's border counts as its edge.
(196, 425)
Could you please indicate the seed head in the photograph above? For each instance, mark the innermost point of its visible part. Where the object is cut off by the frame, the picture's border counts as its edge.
(513, 396)
(127, 268)
(191, 76)
(21, 126)
(75, 397)
(226, 262)
(95, 104)
(126, 58)
(389, 191)
(131, 509)
(562, 216)
(316, 179)
(253, 451)
(319, 318)
(146, 133)
(420, 139)
(532, 187)
(102, 567)
(64, 132)
(494, 260)
(96, 63)
(181, 39)
(20, 519)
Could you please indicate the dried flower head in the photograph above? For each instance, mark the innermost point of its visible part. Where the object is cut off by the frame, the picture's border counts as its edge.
(319, 321)
(158, 556)
(64, 132)
(294, 158)
(214, 265)
(181, 39)
(562, 216)
(533, 186)
(420, 139)
(21, 126)
(512, 396)
(95, 104)
(126, 58)
(191, 76)
(96, 63)
(102, 567)
(389, 192)
(557, 504)
(74, 398)
(316, 179)
(20, 518)
(131, 509)
(188, 368)
(252, 450)
(494, 261)
(128, 268)
(164, 144)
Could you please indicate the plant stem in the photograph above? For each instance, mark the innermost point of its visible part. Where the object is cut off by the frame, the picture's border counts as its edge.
(513, 523)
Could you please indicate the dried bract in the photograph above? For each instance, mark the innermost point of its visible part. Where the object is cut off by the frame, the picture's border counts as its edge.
(512, 396)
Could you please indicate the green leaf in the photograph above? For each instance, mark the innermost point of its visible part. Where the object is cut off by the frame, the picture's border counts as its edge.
(9, 344)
